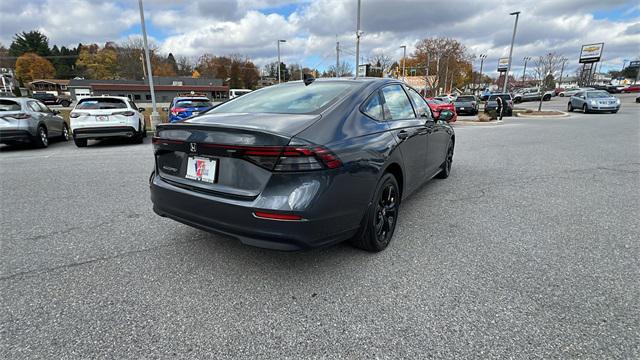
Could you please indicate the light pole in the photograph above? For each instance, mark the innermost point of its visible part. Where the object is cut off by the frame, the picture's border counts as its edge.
(358, 33)
(624, 64)
(513, 39)
(524, 72)
(279, 68)
(155, 117)
(564, 60)
(404, 57)
(482, 57)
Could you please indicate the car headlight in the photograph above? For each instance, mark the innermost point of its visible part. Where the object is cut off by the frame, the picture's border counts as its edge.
(617, 101)
(593, 102)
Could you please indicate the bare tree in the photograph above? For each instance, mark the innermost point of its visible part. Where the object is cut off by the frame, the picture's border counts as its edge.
(343, 70)
(546, 69)
(381, 60)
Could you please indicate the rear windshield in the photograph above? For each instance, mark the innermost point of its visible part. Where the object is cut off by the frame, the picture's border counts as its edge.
(8, 105)
(466, 98)
(95, 104)
(503, 96)
(189, 103)
(597, 94)
(291, 98)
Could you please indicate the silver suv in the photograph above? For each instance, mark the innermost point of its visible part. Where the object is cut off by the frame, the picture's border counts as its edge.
(531, 94)
(29, 120)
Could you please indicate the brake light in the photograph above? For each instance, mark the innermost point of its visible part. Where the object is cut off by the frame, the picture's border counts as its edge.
(161, 141)
(176, 111)
(276, 216)
(20, 116)
(125, 113)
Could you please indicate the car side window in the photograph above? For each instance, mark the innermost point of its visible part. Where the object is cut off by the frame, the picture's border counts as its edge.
(421, 106)
(396, 103)
(133, 105)
(43, 107)
(373, 107)
(33, 106)
(580, 94)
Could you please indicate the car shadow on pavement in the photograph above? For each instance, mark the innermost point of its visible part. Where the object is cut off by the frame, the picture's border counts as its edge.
(27, 146)
(110, 142)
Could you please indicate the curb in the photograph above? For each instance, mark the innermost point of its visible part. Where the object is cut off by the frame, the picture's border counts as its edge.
(478, 123)
(562, 115)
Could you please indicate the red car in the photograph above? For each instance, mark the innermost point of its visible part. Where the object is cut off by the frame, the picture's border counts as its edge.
(631, 88)
(438, 104)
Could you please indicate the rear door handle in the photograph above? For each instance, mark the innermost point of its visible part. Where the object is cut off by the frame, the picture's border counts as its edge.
(403, 134)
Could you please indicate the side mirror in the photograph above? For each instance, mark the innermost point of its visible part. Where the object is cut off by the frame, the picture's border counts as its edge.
(165, 109)
(141, 109)
(445, 115)
(55, 112)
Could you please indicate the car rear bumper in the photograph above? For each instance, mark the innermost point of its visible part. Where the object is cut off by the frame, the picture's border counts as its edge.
(236, 218)
(15, 135)
(466, 110)
(104, 132)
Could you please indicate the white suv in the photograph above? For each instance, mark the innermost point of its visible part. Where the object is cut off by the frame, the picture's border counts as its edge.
(101, 117)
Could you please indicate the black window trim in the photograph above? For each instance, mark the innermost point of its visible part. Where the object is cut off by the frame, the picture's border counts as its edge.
(377, 93)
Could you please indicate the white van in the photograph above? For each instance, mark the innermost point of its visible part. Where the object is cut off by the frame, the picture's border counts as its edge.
(234, 93)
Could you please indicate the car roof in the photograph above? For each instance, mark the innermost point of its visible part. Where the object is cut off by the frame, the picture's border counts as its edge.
(123, 98)
(18, 99)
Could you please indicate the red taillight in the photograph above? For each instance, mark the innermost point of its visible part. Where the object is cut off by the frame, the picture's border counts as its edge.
(277, 216)
(176, 111)
(157, 141)
(125, 113)
(20, 116)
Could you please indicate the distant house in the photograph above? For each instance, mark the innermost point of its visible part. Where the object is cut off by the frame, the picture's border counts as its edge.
(420, 83)
(166, 88)
(53, 86)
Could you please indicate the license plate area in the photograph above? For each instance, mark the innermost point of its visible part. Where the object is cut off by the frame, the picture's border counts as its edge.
(102, 118)
(200, 168)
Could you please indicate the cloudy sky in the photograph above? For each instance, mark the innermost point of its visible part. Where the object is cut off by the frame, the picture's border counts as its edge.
(251, 27)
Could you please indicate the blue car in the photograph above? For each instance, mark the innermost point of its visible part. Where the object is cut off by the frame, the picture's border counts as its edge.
(184, 107)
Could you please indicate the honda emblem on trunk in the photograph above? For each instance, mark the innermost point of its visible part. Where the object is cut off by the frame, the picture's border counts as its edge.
(193, 147)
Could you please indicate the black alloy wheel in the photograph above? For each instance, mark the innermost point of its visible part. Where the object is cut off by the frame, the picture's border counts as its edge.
(446, 165)
(380, 221)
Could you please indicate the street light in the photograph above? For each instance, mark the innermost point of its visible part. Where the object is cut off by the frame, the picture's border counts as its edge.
(524, 72)
(482, 57)
(279, 68)
(624, 64)
(404, 57)
(513, 39)
(155, 117)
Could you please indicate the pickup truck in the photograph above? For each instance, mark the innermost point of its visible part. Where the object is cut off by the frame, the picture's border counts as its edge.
(50, 99)
(532, 94)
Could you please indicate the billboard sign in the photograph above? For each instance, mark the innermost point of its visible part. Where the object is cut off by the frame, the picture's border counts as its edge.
(591, 53)
(503, 64)
(362, 70)
(634, 64)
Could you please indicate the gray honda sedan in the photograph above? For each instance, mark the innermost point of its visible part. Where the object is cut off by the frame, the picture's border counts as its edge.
(302, 164)
(594, 101)
(29, 120)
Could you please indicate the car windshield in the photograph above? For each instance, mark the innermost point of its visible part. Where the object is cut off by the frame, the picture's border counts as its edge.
(597, 94)
(292, 98)
(189, 103)
(503, 96)
(8, 105)
(465, 98)
(101, 103)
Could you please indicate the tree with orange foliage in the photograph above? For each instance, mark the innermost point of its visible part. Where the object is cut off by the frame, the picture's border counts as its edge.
(31, 66)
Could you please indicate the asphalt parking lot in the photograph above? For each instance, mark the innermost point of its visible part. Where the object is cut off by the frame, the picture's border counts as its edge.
(529, 250)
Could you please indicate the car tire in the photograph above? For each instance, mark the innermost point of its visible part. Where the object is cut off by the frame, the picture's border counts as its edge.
(585, 109)
(65, 132)
(138, 138)
(546, 98)
(614, 112)
(446, 165)
(42, 137)
(65, 103)
(517, 100)
(561, 94)
(380, 220)
(570, 107)
(80, 142)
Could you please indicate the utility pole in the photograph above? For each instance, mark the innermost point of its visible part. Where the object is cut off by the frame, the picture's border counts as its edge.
(446, 74)
(404, 59)
(437, 74)
(482, 57)
(338, 57)
(524, 72)
(279, 67)
(513, 39)
(155, 117)
(358, 41)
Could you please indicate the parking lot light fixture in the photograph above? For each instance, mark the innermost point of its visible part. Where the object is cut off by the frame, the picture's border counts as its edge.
(279, 67)
(404, 57)
(513, 39)
(155, 117)
(482, 57)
